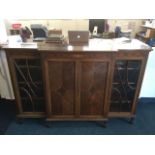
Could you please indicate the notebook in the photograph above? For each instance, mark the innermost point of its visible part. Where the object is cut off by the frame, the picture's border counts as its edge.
(78, 37)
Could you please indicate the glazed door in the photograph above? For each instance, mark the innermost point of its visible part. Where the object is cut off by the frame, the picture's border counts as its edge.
(29, 81)
(127, 79)
(126, 75)
(26, 73)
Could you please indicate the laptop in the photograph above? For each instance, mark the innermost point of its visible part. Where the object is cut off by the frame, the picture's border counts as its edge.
(78, 37)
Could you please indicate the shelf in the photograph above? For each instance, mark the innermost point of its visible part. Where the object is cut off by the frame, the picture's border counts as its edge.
(36, 82)
(120, 114)
(149, 32)
(120, 68)
(29, 66)
(148, 27)
(142, 36)
(122, 101)
(31, 115)
(35, 98)
(118, 83)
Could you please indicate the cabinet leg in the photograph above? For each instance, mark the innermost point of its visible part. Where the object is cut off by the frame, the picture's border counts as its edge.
(19, 120)
(47, 124)
(131, 120)
(103, 124)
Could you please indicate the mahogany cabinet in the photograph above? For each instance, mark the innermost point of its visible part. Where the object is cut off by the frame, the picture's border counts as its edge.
(62, 84)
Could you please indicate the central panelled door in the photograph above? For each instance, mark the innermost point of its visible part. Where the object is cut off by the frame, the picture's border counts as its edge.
(76, 86)
(93, 88)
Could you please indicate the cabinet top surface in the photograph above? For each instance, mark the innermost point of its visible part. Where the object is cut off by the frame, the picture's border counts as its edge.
(98, 45)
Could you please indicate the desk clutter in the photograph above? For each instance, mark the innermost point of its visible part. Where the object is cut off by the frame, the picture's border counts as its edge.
(147, 35)
(97, 29)
(55, 38)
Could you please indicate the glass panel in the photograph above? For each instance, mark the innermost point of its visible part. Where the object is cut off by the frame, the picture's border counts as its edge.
(126, 75)
(29, 78)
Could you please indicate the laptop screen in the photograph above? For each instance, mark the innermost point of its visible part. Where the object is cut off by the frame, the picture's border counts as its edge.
(78, 37)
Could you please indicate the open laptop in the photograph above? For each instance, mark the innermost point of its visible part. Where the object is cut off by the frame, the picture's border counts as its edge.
(78, 37)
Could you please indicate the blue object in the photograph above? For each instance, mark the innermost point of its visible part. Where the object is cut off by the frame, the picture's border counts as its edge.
(151, 42)
(118, 31)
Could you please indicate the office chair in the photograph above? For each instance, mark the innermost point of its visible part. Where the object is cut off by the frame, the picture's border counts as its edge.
(40, 32)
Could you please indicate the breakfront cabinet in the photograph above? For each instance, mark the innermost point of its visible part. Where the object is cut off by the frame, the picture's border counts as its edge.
(60, 84)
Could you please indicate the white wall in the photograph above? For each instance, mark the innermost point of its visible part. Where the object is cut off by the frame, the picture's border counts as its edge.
(125, 24)
(80, 24)
(148, 86)
(3, 34)
(6, 90)
(65, 25)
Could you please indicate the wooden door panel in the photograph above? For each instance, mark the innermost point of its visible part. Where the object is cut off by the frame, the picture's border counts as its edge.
(62, 87)
(93, 85)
